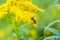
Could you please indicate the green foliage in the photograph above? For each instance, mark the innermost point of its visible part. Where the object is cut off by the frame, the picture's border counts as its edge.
(46, 21)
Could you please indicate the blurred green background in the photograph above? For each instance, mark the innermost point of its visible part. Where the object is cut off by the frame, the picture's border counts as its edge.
(50, 18)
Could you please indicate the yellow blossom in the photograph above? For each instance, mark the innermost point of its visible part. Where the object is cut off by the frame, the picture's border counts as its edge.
(3, 11)
(22, 9)
(12, 9)
(19, 14)
(31, 7)
(10, 1)
(1, 15)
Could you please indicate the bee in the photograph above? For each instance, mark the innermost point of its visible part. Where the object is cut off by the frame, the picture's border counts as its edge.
(34, 21)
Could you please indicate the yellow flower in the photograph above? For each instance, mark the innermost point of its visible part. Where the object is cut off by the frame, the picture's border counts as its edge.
(1, 15)
(27, 5)
(32, 7)
(27, 17)
(3, 11)
(22, 9)
(10, 1)
(12, 9)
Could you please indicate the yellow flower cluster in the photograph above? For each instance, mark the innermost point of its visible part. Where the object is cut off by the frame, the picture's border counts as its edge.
(3, 10)
(22, 9)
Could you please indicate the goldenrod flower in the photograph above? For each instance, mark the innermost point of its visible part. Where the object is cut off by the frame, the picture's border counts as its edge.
(22, 9)
(1, 15)
(3, 11)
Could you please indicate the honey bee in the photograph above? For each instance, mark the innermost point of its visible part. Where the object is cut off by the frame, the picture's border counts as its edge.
(34, 21)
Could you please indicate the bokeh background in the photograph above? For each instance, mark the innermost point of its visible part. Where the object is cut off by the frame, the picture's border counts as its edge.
(48, 24)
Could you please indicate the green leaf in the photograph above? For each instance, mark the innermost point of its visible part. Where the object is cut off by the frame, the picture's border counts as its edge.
(51, 37)
(55, 31)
